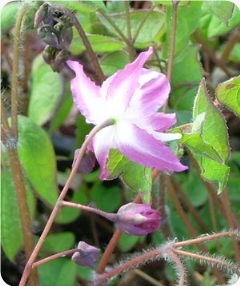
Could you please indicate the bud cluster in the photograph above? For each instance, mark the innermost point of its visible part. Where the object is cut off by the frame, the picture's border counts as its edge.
(55, 28)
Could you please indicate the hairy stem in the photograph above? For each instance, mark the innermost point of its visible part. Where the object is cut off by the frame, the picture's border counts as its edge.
(207, 238)
(217, 262)
(15, 69)
(60, 198)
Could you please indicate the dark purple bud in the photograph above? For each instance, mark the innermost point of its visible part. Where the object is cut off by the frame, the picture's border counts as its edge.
(66, 37)
(138, 219)
(86, 255)
(88, 162)
(41, 14)
(51, 40)
(49, 54)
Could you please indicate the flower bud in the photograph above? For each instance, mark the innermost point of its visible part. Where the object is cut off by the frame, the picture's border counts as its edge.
(138, 219)
(87, 164)
(86, 255)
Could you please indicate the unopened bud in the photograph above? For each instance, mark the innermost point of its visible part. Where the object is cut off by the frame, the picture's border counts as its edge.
(86, 255)
(138, 219)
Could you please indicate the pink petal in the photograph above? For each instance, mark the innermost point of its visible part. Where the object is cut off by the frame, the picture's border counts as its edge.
(101, 144)
(86, 94)
(152, 93)
(121, 86)
(144, 149)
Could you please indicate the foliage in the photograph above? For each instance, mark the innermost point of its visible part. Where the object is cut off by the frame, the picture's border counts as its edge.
(196, 44)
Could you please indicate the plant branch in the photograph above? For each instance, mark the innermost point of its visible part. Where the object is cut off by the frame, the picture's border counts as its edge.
(124, 38)
(217, 262)
(112, 244)
(172, 46)
(211, 54)
(206, 238)
(60, 198)
(15, 69)
(54, 256)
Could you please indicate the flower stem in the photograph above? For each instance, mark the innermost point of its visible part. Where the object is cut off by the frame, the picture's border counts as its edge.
(15, 70)
(129, 32)
(84, 38)
(172, 45)
(54, 256)
(60, 198)
(109, 216)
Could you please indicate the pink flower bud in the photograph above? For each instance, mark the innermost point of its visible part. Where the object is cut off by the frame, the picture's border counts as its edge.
(86, 255)
(137, 219)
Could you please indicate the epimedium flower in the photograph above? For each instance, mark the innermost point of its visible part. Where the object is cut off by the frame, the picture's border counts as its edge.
(86, 255)
(132, 97)
(137, 219)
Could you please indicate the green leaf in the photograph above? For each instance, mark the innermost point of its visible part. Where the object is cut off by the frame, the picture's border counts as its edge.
(62, 111)
(37, 157)
(7, 12)
(154, 22)
(99, 43)
(228, 93)
(111, 194)
(11, 232)
(136, 177)
(186, 75)
(211, 25)
(212, 148)
(113, 62)
(58, 242)
(221, 9)
(46, 91)
(58, 272)
(127, 242)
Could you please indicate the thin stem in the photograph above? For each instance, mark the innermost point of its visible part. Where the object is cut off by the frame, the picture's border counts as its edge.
(124, 38)
(141, 24)
(188, 204)
(112, 244)
(60, 198)
(15, 69)
(233, 39)
(206, 238)
(84, 38)
(139, 260)
(129, 33)
(109, 216)
(166, 229)
(172, 46)
(54, 256)
(212, 260)
(211, 54)
(172, 254)
(227, 205)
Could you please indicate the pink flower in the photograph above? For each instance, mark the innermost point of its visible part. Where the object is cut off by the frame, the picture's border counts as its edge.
(137, 219)
(131, 97)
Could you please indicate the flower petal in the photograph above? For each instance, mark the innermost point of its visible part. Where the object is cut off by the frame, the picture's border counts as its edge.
(101, 144)
(144, 149)
(86, 95)
(152, 93)
(121, 86)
